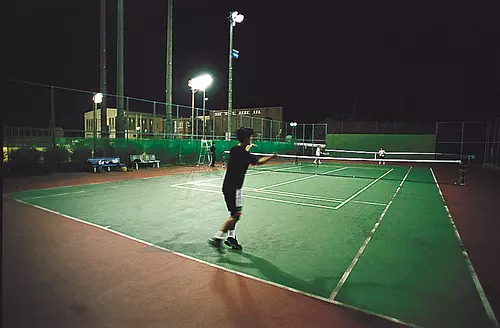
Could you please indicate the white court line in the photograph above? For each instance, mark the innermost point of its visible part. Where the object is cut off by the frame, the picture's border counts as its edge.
(324, 299)
(61, 194)
(296, 195)
(359, 192)
(367, 240)
(475, 278)
(300, 179)
(254, 172)
(257, 197)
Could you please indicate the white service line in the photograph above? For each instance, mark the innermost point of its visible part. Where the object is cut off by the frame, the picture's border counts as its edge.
(55, 195)
(213, 179)
(268, 282)
(359, 192)
(254, 172)
(300, 179)
(296, 195)
(257, 197)
(367, 240)
(475, 278)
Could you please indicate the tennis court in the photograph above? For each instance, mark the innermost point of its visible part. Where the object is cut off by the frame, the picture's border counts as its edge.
(374, 237)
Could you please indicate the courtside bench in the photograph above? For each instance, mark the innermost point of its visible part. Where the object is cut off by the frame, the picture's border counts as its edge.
(144, 159)
(102, 164)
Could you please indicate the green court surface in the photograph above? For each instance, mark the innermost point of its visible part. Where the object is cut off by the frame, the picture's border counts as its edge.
(383, 243)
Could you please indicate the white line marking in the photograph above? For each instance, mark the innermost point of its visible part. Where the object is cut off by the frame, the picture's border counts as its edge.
(296, 195)
(324, 299)
(219, 178)
(359, 192)
(257, 197)
(367, 240)
(300, 179)
(475, 278)
(61, 194)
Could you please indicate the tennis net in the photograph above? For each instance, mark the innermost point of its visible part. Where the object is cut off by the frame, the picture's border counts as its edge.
(400, 155)
(419, 170)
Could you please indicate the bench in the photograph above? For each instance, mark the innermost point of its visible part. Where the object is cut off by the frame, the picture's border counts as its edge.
(148, 159)
(105, 163)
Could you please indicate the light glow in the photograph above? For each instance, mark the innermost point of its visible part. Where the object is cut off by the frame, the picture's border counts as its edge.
(97, 98)
(201, 82)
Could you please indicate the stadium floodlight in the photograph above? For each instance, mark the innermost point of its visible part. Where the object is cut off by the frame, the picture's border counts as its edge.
(293, 124)
(201, 82)
(234, 17)
(97, 99)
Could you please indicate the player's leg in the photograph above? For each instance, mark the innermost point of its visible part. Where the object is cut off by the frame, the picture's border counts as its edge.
(231, 224)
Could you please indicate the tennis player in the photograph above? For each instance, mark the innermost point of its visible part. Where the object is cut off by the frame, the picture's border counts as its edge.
(381, 155)
(318, 154)
(212, 155)
(237, 165)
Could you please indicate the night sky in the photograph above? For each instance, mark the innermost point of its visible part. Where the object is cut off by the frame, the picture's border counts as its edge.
(396, 60)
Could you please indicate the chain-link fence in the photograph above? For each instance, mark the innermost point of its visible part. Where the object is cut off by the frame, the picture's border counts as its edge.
(133, 118)
(468, 139)
(492, 148)
(382, 127)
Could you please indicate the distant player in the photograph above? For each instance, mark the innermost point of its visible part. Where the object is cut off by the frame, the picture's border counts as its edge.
(212, 155)
(381, 156)
(237, 165)
(318, 154)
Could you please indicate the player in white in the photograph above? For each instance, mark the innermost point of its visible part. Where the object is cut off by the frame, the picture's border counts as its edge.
(318, 154)
(381, 155)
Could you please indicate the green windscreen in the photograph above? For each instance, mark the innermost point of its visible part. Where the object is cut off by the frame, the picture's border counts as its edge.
(391, 142)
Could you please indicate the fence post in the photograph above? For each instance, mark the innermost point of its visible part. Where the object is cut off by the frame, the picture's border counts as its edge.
(262, 128)
(486, 142)
(304, 134)
(271, 130)
(462, 141)
(53, 114)
(497, 140)
(126, 126)
(154, 119)
(312, 136)
(183, 123)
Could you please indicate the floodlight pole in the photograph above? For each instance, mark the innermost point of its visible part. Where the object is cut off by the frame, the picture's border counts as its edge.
(230, 79)
(94, 127)
(193, 91)
(203, 124)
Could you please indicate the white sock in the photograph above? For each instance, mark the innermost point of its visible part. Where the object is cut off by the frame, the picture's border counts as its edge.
(219, 235)
(231, 233)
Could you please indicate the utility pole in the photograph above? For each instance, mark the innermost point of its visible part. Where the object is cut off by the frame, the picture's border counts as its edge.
(168, 76)
(121, 125)
(103, 84)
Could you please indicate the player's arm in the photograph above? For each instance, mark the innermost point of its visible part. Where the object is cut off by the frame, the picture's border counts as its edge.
(247, 148)
(265, 159)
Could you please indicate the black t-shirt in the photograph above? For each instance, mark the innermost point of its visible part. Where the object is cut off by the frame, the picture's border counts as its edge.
(237, 166)
(212, 149)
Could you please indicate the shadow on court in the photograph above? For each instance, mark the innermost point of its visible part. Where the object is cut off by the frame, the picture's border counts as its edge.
(274, 274)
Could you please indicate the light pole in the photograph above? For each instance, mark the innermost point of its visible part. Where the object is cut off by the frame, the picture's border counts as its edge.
(234, 17)
(201, 82)
(97, 98)
(204, 120)
(294, 125)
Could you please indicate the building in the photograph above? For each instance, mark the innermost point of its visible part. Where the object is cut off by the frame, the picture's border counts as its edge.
(140, 125)
(267, 123)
